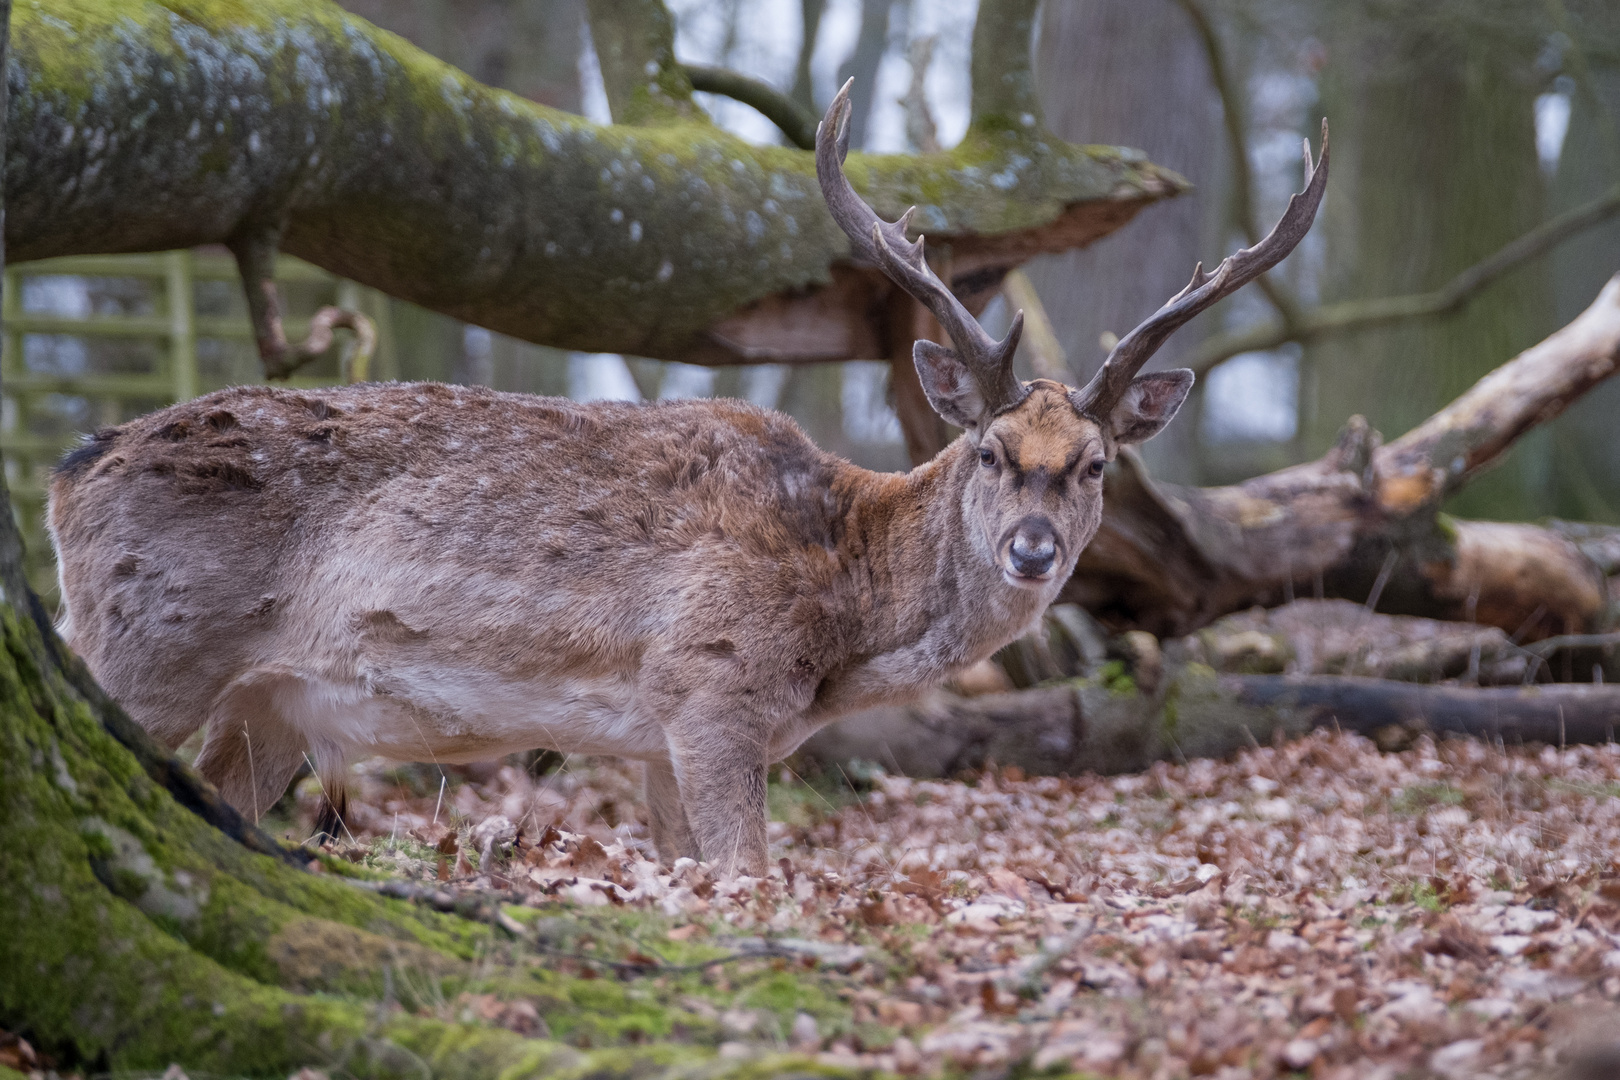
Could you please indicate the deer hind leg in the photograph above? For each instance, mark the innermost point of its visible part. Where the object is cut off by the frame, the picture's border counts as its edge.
(722, 784)
(671, 833)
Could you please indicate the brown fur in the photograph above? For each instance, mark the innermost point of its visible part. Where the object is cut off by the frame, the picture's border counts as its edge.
(450, 573)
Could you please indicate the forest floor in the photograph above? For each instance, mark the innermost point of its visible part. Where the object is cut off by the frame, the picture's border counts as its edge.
(1319, 908)
(1314, 909)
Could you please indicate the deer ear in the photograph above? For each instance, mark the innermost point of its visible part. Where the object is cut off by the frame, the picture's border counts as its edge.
(1148, 405)
(948, 384)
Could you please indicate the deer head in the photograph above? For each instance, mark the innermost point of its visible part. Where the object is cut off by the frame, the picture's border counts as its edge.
(1041, 446)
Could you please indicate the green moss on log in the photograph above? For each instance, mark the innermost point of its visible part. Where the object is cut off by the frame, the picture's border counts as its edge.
(138, 125)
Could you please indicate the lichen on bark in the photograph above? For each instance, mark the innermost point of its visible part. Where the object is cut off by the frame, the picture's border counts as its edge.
(140, 125)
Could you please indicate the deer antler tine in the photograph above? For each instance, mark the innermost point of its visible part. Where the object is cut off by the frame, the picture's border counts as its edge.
(1109, 385)
(846, 111)
(1009, 344)
(1198, 278)
(905, 262)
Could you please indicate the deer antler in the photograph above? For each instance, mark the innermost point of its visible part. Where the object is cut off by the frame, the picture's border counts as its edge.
(1109, 385)
(988, 361)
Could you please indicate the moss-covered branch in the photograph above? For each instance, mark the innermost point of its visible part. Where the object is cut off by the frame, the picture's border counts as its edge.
(140, 125)
(794, 120)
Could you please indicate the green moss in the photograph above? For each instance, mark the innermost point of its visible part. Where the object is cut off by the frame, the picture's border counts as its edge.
(1170, 711)
(789, 992)
(806, 802)
(1116, 678)
(1421, 797)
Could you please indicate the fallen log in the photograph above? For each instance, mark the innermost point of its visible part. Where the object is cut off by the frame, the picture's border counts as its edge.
(1106, 725)
(292, 125)
(1364, 523)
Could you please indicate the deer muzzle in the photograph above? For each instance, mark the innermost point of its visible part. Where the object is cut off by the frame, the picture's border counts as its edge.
(1032, 551)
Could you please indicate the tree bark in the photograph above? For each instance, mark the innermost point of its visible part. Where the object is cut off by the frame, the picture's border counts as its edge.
(1131, 73)
(1364, 519)
(134, 128)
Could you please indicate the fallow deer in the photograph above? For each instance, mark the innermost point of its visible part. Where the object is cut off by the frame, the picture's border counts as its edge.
(445, 573)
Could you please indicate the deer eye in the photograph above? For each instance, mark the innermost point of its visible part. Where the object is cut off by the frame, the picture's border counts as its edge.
(987, 457)
(1095, 469)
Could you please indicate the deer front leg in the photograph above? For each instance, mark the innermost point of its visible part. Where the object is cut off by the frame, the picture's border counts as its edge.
(721, 770)
(671, 834)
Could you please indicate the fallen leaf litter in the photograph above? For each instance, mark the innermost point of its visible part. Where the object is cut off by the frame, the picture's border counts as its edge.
(1318, 907)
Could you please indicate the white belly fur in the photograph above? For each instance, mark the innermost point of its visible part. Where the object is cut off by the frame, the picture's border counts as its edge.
(452, 715)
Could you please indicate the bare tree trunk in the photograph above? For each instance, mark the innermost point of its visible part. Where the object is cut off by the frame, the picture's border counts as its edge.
(1585, 478)
(862, 65)
(1132, 73)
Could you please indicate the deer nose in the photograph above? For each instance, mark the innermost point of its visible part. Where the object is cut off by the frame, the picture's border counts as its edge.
(1033, 549)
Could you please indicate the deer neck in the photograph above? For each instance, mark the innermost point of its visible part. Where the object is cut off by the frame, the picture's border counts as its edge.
(935, 593)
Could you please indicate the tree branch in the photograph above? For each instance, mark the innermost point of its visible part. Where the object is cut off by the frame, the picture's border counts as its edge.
(1364, 518)
(1440, 455)
(810, 12)
(920, 130)
(1353, 315)
(1045, 350)
(796, 122)
(255, 252)
(635, 46)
